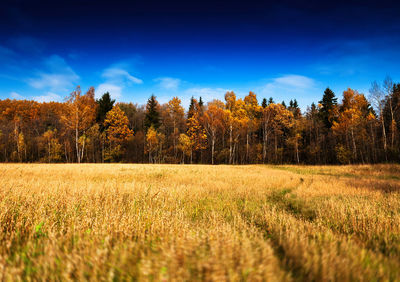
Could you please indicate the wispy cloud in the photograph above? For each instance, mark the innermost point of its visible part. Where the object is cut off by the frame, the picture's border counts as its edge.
(15, 95)
(291, 86)
(48, 97)
(293, 80)
(114, 90)
(57, 77)
(168, 83)
(118, 74)
(116, 79)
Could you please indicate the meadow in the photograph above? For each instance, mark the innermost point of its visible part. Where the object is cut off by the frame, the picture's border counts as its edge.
(199, 222)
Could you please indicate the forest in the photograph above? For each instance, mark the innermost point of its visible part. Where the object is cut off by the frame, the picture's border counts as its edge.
(358, 128)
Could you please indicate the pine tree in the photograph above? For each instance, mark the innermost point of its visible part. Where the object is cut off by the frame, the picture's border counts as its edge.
(192, 107)
(264, 103)
(105, 104)
(201, 104)
(328, 104)
(152, 117)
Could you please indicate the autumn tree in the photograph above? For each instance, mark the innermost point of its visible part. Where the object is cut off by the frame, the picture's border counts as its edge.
(154, 142)
(213, 120)
(351, 123)
(275, 118)
(79, 116)
(238, 130)
(185, 145)
(197, 134)
(53, 147)
(174, 118)
(253, 112)
(117, 131)
(230, 106)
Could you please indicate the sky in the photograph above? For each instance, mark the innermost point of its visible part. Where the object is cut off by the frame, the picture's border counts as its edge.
(132, 49)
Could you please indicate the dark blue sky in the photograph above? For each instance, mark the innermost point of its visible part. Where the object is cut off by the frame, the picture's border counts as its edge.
(283, 49)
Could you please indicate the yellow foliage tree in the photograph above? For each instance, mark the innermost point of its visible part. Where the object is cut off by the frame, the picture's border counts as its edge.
(53, 147)
(117, 131)
(175, 114)
(79, 115)
(185, 145)
(154, 144)
(213, 121)
(197, 134)
(353, 117)
(275, 117)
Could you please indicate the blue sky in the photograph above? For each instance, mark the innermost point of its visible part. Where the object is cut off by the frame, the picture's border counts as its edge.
(287, 50)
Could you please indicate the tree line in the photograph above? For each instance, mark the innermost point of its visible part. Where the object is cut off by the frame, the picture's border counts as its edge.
(357, 129)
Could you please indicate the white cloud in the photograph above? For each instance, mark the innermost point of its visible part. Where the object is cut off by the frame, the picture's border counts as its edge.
(295, 81)
(114, 90)
(55, 82)
(118, 74)
(116, 79)
(48, 97)
(302, 88)
(288, 83)
(168, 83)
(58, 77)
(15, 95)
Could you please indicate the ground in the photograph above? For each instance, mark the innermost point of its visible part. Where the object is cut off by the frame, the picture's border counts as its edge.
(195, 222)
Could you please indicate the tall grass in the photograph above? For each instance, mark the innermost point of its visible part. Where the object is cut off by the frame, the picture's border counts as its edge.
(172, 222)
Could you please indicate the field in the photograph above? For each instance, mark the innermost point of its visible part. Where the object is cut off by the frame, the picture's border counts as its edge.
(183, 222)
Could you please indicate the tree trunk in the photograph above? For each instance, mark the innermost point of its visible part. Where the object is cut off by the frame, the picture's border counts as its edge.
(265, 140)
(212, 148)
(276, 148)
(230, 144)
(354, 144)
(383, 134)
(49, 152)
(247, 148)
(78, 155)
(392, 123)
(83, 148)
(174, 139)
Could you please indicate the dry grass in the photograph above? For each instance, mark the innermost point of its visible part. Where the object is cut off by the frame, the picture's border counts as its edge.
(170, 222)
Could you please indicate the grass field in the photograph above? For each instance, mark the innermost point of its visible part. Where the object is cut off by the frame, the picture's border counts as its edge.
(182, 222)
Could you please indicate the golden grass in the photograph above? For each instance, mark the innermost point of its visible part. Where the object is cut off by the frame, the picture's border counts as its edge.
(176, 222)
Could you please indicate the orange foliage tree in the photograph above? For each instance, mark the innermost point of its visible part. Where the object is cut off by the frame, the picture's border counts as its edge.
(79, 116)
